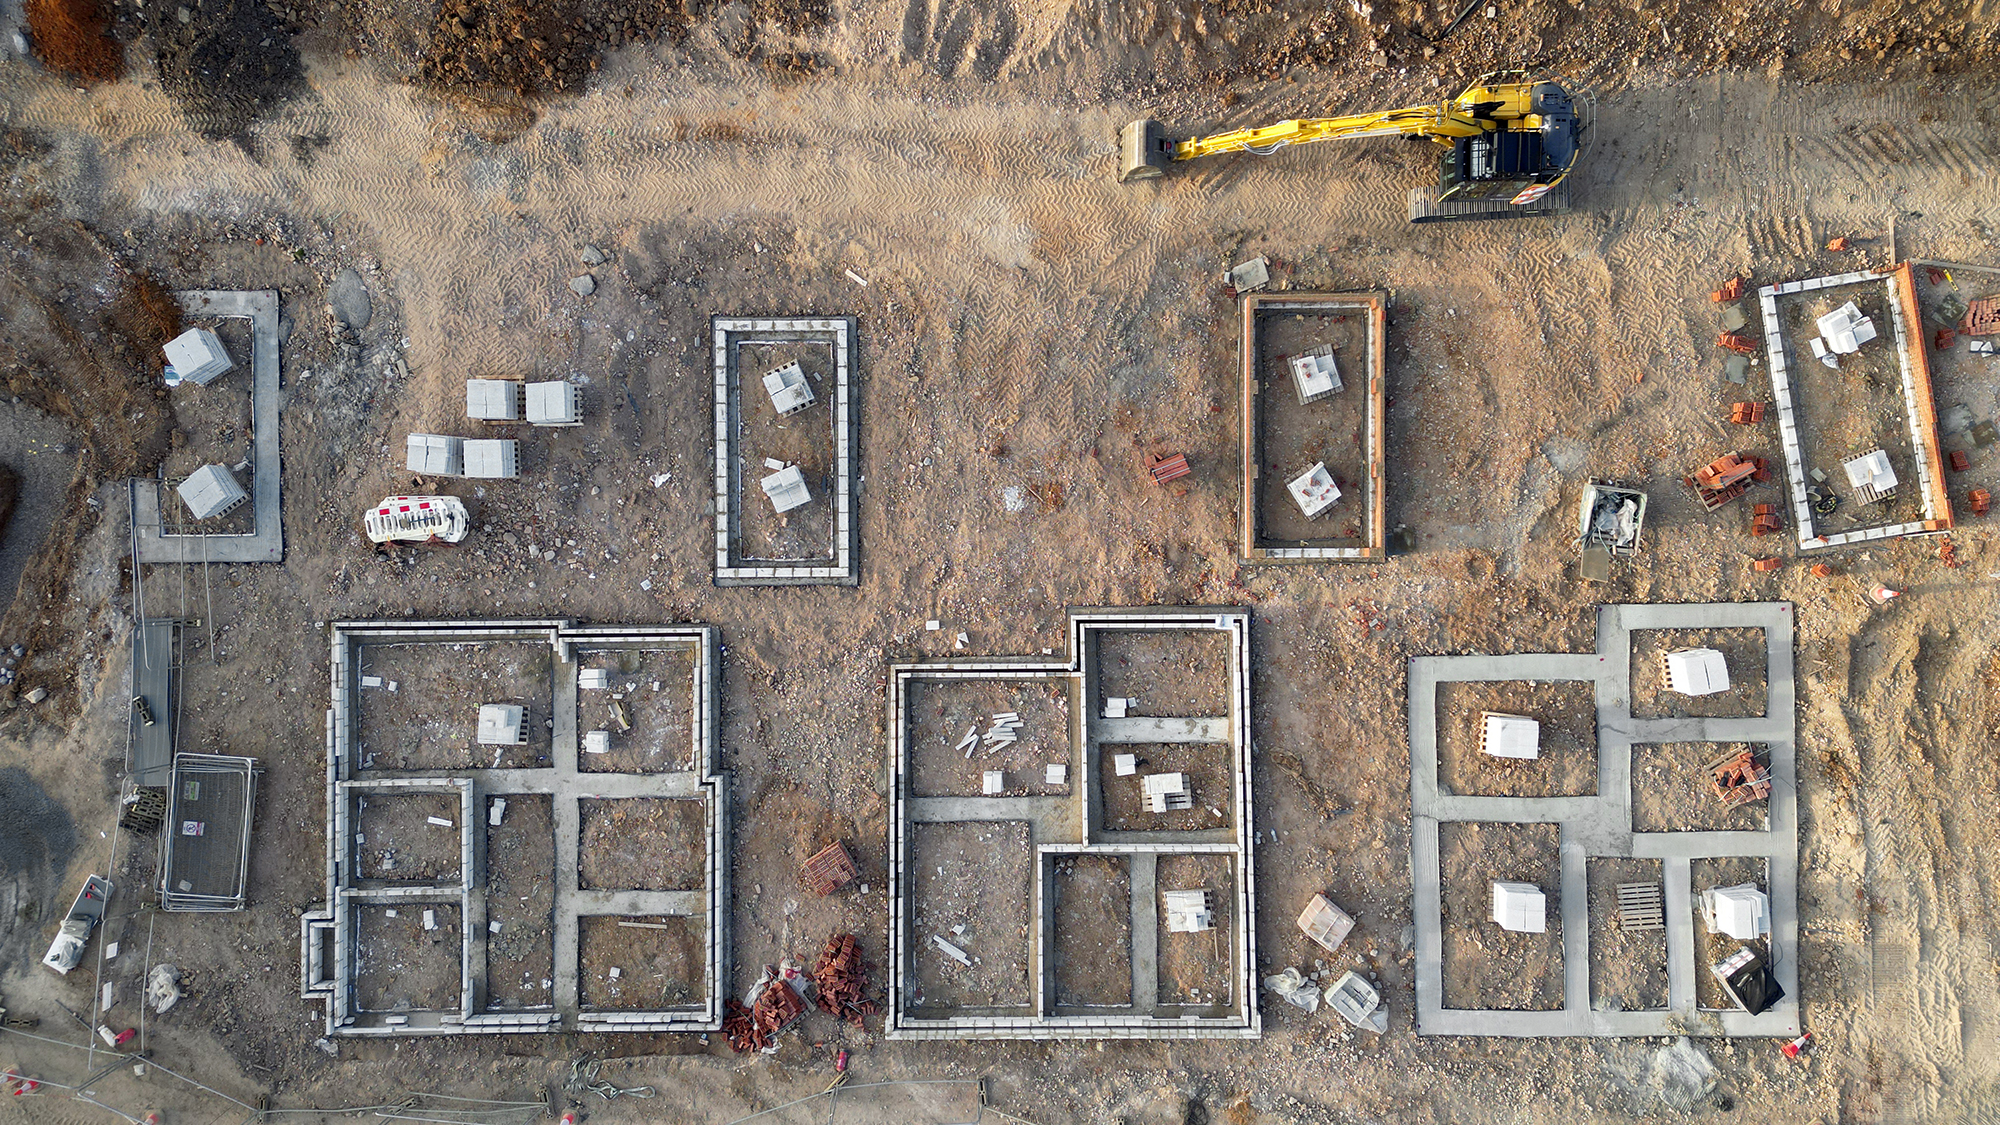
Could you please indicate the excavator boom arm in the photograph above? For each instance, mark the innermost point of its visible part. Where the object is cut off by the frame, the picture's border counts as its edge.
(1436, 121)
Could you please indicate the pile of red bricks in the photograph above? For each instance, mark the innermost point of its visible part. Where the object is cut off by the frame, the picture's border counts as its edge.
(842, 980)
(757, 1027)
(829, 869)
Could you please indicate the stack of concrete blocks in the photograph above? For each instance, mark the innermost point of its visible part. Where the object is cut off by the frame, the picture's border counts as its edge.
(1743, 911)
(1509, 736)
(197, 356)
(502, 724)
(1167, 792)
(789, 389)
(1315, 375)
(1326, 924)
(491, 459)
(1358, 1002)
(1189, 912)
(1314, 491)
(211, 491)
(436, 455)
(554, 404)
(594, 679)
(1870, 476)
(597, 742)
(1696, 671)
(787, 489)
(1520, 908)
(493, 400)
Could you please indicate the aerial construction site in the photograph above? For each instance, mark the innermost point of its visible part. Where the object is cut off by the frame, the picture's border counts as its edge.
(981, 561)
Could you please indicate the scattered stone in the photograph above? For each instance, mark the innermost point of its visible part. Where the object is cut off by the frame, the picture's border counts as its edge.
(592, 256)
(583, 285)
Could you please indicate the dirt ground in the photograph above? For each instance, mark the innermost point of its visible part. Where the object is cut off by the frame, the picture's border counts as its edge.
(805, 439)
(1093, 931)
(400, 843)
(1845, 413)
(940, 712)
(1743, 653)
(1566, 710)
(1210, 768)
(1292, 437)
(430, 719)
(1484, 965)
(1628, 968)
(657, 967)
(656, 690)
(643, 844)
(1170, 673)
(521, 896)
(1197, 968)
(1711, 948)
(1673, 790)
(979, 877)
(400, 965)
(1026, 322)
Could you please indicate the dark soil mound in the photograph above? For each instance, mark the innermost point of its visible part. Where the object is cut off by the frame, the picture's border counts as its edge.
(538, 49)
(73, 36)
(224, 61)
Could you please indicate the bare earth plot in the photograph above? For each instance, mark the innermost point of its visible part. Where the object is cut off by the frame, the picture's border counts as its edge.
(1028, 320)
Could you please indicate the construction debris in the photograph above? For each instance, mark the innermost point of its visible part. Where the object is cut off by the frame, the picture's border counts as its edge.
(1739, 778)
(840, 980)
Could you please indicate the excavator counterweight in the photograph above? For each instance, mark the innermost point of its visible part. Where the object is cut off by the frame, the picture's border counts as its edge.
(1509, 147)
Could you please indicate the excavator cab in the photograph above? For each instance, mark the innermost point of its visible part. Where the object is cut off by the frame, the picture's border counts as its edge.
(1529, 153)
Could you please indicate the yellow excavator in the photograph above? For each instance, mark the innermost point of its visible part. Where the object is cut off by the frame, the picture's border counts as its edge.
(1509, 147)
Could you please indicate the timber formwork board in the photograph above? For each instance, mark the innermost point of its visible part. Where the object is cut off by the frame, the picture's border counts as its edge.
(1265, 390)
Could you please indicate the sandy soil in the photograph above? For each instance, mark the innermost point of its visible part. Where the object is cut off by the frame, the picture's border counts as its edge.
(520, 895)
(978, 876)
(1210, 768)
(657, 968)
(1292, 437)
(1484, 965)
(1093, 931)
(401, 843)
(643, 844)
(1027, 322)
(942, 711)
(1197, 968)
(399, 964)
(1177, 674)
(1567, 712)
(1743, 652)
(1673, 790)
(1628, 968)
(430, 720)
(656, 691)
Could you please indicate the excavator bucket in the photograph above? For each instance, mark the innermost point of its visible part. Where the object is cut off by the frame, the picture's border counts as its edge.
(1143, 151)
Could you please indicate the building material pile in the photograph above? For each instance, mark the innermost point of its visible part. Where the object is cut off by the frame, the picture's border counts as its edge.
(774, 1006)
(829, 869)
(841, 978)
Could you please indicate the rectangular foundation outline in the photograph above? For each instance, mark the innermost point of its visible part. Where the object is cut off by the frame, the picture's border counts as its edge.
(1919, 407)
(1376, 304)
(267, 542)
(325, 942)
(907, 809)
(1601, 825)
(845, 569)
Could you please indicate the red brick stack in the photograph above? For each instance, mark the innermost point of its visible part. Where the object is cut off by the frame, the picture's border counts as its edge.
(842, 980)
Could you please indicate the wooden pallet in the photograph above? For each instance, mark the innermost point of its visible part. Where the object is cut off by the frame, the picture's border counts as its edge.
(1640, 907)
